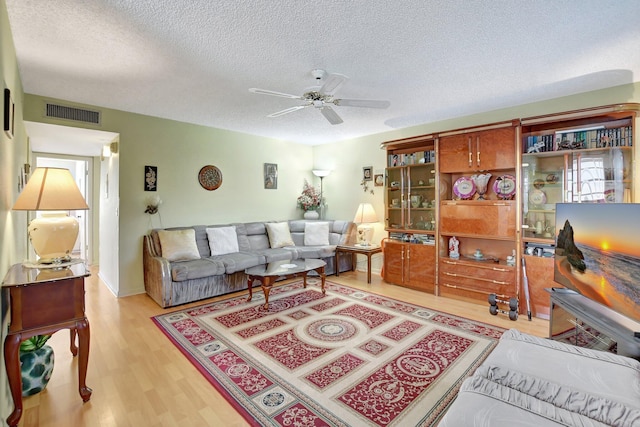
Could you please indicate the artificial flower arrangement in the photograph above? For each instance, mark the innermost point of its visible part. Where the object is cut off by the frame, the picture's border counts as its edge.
(309, 199)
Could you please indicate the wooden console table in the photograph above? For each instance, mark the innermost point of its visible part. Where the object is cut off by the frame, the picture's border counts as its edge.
(367, 251)
(43, 301)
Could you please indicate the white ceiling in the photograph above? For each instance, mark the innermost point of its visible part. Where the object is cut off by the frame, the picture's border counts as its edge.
(194, 61)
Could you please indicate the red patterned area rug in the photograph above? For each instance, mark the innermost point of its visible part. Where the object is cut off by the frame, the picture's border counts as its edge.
(347, 358)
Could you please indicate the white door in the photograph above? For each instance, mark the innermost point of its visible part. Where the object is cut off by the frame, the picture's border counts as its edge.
(80, 169)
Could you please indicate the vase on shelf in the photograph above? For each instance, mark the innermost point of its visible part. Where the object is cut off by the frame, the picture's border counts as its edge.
(310, 214)
(481, 180)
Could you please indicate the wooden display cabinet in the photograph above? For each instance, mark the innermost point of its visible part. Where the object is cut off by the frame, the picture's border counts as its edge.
(486, 223)
(539, 276)
(583, 156)
(478, 149)
(409, 264)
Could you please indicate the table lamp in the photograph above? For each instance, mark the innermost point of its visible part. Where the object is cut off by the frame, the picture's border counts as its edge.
(53, 235)
(365, 216)
(321, 174)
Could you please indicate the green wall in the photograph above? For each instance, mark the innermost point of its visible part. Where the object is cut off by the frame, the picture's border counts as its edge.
(179, 150)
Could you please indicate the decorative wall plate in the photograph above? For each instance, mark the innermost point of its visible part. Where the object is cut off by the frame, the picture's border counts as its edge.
(537, 197)
(464, 187)
(610, 195)
(505, 186)
(210, 177)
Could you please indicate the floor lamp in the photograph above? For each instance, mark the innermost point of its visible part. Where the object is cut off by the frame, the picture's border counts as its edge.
(321, 174)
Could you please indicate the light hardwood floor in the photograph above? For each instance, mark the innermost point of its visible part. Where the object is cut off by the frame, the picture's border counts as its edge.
(139, 378)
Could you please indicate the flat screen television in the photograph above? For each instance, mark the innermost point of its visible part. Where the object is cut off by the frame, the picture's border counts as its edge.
(598, 253)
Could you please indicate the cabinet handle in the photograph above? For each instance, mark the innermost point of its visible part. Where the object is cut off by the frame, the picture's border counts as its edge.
(497, 282)
(499, 269)
(449, 262)
(478, 149)
(470, 153)
(464, 288)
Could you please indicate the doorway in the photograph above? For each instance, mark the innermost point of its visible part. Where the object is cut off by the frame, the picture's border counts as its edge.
(81, 169)
(76, 149)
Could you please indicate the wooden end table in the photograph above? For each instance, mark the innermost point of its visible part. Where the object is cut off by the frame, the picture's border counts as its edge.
(354, 250)
(43, 301)
(269, 273)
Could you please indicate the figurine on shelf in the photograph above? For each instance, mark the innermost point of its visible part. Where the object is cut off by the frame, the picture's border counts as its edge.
(454, 245)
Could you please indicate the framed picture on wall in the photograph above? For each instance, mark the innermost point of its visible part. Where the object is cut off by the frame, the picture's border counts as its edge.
(150, 178)
(270, 176)
(9, 110)
(378, 180)
(367, 173)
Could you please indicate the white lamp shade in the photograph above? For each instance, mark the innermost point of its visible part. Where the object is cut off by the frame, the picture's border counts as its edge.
(50, 189)
(365, 214)
(321, 173)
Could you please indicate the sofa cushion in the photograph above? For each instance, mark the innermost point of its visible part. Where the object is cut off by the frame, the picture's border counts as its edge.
(279, 234)
(602, 409)
(316, 233)
(179, 245)
(196, 269)
(222, 240)
(596, 372)
(276, 254)
(305, 252)
(481, 402)
(239, 261)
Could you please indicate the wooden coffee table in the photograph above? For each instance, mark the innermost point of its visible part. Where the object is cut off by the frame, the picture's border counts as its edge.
(269, 273)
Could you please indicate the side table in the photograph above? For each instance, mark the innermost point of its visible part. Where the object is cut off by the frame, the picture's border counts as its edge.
(43, 301)
(354, 250)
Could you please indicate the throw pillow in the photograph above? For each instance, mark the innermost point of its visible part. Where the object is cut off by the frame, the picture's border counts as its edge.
(279, 234)
(316, 233)
(179, 245)
(223, 240)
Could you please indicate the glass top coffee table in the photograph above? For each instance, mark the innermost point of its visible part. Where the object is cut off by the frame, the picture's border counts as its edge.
(267, 274)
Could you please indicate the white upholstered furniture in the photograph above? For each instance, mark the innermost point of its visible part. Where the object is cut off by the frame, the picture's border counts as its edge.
(531, 381)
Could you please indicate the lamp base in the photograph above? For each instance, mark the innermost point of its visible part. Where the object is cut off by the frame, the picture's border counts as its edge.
(365, 232)
(53, 236)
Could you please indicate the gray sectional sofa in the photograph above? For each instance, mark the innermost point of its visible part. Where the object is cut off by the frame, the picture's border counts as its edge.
(531, 381)
(186, 264)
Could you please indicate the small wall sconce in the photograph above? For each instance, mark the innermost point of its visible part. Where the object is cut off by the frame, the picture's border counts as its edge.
(152, 202)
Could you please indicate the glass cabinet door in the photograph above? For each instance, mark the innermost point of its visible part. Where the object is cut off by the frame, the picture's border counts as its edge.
(572, 176)
(421, 197)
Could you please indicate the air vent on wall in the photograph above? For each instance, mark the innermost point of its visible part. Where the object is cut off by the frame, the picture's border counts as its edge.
(71, 113)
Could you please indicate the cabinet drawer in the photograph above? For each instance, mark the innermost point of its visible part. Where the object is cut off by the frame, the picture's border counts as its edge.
(481, 278)
(496, 219)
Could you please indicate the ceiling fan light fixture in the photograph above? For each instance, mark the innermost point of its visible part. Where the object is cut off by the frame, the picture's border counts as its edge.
(322, 97)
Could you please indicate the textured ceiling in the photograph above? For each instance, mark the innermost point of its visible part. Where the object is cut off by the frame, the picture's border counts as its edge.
(194, 61)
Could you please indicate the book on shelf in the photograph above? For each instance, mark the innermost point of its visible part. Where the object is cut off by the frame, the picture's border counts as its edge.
(594, 138)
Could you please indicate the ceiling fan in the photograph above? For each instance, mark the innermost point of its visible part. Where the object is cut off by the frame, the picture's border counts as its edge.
(322, 97)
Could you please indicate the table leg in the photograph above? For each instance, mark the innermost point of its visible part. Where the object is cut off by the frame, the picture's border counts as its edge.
(82, 328)
(12, 363)
(368, 268)
(250, 285)
(72, 345)
(322, 279)
(266, 288)
(337, 264)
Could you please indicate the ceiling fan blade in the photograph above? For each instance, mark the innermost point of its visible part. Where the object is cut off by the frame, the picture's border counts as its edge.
(273, 93)
(331, 115)
(368, 103)
(333, 82)
(287, 111)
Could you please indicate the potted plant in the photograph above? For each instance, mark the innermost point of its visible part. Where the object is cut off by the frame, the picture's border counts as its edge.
(309, 201)
(36, 364)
